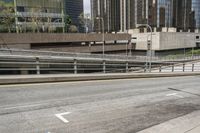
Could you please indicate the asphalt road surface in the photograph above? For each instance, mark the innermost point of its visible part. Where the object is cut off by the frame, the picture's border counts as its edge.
(115, 106)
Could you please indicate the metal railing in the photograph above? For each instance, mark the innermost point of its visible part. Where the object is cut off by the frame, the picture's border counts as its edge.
(14, 61)
(177, 67)
(35, 65)
(5, 51)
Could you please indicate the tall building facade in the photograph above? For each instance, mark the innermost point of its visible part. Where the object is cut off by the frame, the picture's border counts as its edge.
(106, 13)
(196, 12)
(45, 15)
(39, 14)
(181, 14)
(74, 8)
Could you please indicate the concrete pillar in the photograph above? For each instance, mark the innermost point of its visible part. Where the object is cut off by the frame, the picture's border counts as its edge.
(154, 29)
(196, 30)
(164, 29)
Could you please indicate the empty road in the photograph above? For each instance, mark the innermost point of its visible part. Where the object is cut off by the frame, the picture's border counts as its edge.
(114, 106)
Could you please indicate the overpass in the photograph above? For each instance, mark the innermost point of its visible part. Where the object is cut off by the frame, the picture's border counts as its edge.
(86, 43)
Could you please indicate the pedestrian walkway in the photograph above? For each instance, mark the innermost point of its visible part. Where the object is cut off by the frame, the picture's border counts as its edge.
(186, 124)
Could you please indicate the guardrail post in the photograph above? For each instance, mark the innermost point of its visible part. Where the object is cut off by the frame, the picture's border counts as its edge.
(183, 67)
(127, 67)
(173, 68)
(37, 65)
(104, 66)
(75, 66)
(145, 67)
(160, 68)
(192, 67)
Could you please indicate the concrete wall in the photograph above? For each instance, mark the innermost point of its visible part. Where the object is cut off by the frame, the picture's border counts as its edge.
(141, 40)
(19, 46)
(28, 38)
(177, 40)
(166, 40)
(85, 48)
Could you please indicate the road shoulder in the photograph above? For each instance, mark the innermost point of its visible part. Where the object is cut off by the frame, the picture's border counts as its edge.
(186, 124)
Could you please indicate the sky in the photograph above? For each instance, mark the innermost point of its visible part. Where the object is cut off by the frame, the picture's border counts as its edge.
(86, 6)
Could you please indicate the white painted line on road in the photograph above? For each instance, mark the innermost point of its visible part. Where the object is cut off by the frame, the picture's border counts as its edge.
(174, 94)
(23, 106)
(60, 116)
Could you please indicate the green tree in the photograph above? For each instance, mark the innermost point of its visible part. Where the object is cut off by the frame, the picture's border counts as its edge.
(81, 19)
(68, 22)
(73, 29)
(84, 20)
(7, 17)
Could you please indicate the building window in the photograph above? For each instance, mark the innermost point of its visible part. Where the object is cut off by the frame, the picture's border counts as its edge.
(197, 37)
(198, 44)
(20, 9)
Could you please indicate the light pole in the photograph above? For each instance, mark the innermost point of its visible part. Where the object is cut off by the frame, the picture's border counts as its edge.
(150, 47)
(103, 39)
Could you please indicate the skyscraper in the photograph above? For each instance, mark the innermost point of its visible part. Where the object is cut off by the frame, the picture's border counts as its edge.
(180, 14)
(74, 8)
(109, 10)
(196, 12)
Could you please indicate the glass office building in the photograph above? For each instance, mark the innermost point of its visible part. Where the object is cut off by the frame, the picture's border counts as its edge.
(74, 8)
(45, 15)
(40, 15)
(164, 13)
(181, 14)
(196, 10)
(109, 10)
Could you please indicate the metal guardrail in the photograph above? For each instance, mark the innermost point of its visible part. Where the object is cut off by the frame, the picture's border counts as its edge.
(85, 56)
(31, 65)
(5, 51)
(14, 61)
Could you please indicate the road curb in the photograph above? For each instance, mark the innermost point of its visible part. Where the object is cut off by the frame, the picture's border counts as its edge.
(25, 79)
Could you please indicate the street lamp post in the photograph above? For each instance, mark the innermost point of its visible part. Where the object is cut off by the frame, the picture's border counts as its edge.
(103, 39)
(150, 49)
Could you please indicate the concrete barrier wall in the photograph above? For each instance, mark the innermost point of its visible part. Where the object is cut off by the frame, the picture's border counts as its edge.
(25, 79)
(28, 38)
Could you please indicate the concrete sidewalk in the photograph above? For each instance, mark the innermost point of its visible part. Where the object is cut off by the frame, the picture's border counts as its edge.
(186, 124)
(21, 79)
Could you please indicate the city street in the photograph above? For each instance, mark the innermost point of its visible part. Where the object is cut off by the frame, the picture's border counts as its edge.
(113, 106)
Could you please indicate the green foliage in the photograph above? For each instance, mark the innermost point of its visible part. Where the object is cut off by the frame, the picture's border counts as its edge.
(68, 22)
(81, 19)
(195, 52)
(7, 17)
(188, 53)
(73, 29)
